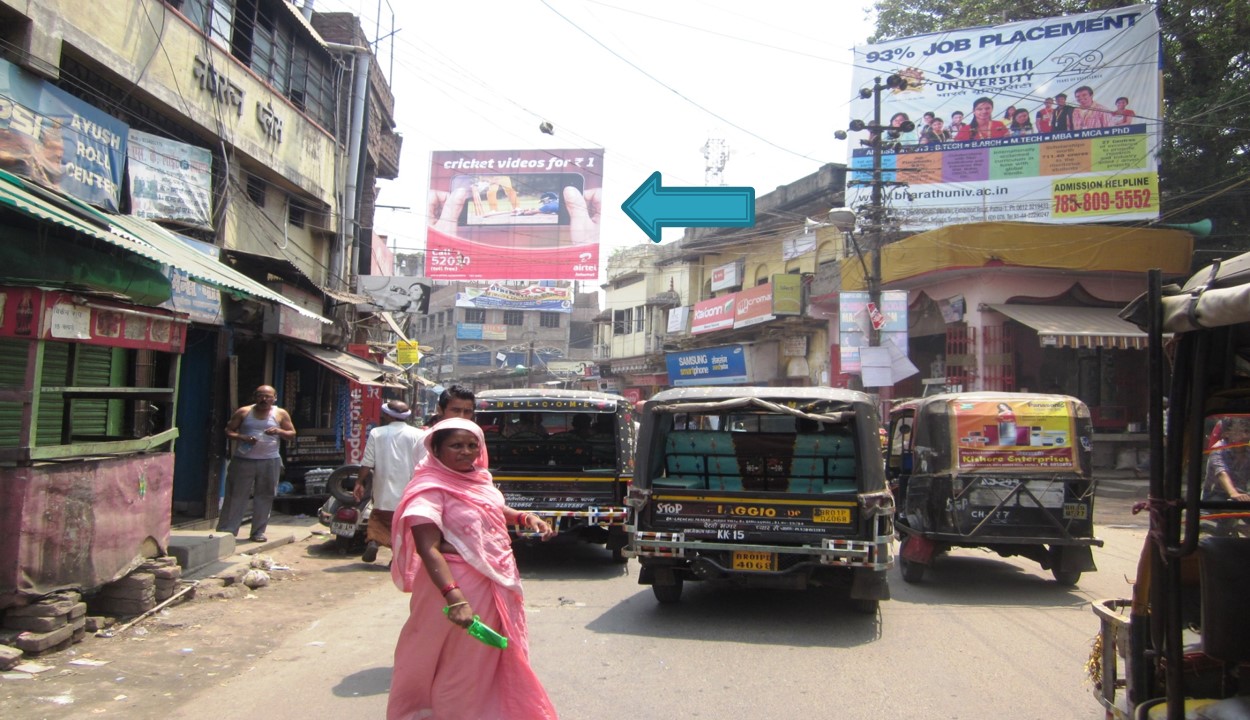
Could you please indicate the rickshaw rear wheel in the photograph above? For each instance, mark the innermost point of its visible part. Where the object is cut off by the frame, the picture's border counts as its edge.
(866, 607)
(668, 593)
(1067, 578)
(912, 571)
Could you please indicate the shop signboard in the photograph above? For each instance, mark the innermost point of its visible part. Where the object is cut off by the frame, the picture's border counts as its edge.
(753, 306)
(726, 365)
(727, 276)
(712, 314)
(201, 302)
(57, 140)
(34, 314)
(787, 294)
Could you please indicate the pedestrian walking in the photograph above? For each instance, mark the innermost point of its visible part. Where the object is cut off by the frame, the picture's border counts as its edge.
(390, 457)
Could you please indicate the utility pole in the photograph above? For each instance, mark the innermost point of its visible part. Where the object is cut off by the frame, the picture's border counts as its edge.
(876, 211)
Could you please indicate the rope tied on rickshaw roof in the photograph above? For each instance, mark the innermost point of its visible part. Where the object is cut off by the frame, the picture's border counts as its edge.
(840, 416)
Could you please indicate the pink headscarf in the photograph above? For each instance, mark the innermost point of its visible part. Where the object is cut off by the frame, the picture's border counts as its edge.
(466, 507)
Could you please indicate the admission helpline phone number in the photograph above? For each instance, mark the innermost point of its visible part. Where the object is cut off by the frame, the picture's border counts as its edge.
(1104, 196)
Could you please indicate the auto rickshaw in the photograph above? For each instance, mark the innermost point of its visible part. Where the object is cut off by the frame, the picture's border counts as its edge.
(564, 455)
(1009, 472)
(762, 487)
(1180, 646)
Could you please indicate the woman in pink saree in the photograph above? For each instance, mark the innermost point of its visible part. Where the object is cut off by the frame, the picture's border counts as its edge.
(452, 550)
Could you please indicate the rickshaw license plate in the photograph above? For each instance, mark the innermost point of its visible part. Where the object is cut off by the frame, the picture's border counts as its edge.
(758, 561)
(1075, 511)
(834, 516)
(343, 529)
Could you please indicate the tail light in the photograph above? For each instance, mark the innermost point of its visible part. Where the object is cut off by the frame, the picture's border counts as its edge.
(346, 515)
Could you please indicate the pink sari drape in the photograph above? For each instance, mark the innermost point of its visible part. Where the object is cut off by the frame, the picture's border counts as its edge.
(441, 672)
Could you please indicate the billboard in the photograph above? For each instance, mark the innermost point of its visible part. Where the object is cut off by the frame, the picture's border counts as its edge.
(514, 215)
(394, 293)
(532, 297)
(1053, 120)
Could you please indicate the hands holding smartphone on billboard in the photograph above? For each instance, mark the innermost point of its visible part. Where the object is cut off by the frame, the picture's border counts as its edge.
(446, 210)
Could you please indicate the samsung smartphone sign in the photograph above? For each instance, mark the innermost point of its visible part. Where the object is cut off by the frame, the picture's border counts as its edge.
(725, 365)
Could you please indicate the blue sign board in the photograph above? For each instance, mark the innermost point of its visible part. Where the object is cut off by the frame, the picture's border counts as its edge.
(726, 365)
(57, 140)
(202, 302)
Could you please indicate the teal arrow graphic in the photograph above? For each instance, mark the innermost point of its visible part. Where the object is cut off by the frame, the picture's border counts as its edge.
(653, 207)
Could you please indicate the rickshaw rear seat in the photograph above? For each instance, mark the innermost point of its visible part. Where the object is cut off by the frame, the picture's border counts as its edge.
(1224, 564)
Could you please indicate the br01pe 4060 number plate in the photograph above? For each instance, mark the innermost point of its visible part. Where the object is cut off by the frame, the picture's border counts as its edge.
(757, 561)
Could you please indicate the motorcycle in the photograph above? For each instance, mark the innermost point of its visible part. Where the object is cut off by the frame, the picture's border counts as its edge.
(346, 518)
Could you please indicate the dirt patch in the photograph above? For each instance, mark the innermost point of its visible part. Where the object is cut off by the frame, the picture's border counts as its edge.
(159, 664)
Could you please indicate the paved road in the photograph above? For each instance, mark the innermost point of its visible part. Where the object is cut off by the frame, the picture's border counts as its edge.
(983, 637)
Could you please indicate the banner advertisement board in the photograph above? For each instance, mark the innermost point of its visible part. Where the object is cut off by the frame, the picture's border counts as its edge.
(1053, 120)
(514, 215)
(1015, 435)
(201, 302)
(708, 366)
(533, 297)
(170, 180)
(481, 331)
(787, 294)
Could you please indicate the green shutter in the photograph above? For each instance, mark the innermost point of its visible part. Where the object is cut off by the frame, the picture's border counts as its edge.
(93, 367)
(12, 376)
(52, 404)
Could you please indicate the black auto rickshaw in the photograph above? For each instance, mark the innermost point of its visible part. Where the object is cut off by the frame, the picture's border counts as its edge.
(1180, 646)
(1009, 472)
(565, 455)
(762, 487)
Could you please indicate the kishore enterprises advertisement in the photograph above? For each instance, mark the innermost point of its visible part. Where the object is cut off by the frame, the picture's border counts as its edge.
(514, 215)
(1054, 120)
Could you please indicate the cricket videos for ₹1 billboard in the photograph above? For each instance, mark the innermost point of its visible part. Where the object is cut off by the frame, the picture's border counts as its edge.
(1053, 120)
(514, 215)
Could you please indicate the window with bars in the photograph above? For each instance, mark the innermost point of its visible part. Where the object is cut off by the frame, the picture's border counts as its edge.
(640, 314)
(256, 190)
(549, 320)
(475, 315)
(513, 317)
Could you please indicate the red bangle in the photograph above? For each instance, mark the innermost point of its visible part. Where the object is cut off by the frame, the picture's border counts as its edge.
(449, 587)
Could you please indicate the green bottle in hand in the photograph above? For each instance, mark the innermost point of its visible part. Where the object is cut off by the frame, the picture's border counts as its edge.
(483, 632)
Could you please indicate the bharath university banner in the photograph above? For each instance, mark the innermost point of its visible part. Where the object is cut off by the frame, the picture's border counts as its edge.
(1053, 120)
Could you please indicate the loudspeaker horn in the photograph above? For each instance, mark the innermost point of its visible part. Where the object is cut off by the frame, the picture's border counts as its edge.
(1202, 228)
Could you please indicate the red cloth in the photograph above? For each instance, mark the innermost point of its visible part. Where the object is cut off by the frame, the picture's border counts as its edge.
(441, 672)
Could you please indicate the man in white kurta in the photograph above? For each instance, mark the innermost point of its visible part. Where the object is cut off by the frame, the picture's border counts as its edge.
(391, 453)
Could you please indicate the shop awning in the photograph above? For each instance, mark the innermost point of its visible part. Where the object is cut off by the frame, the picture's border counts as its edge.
(350, 366)
(136, 235)
(199, 266)
(1076, 327)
